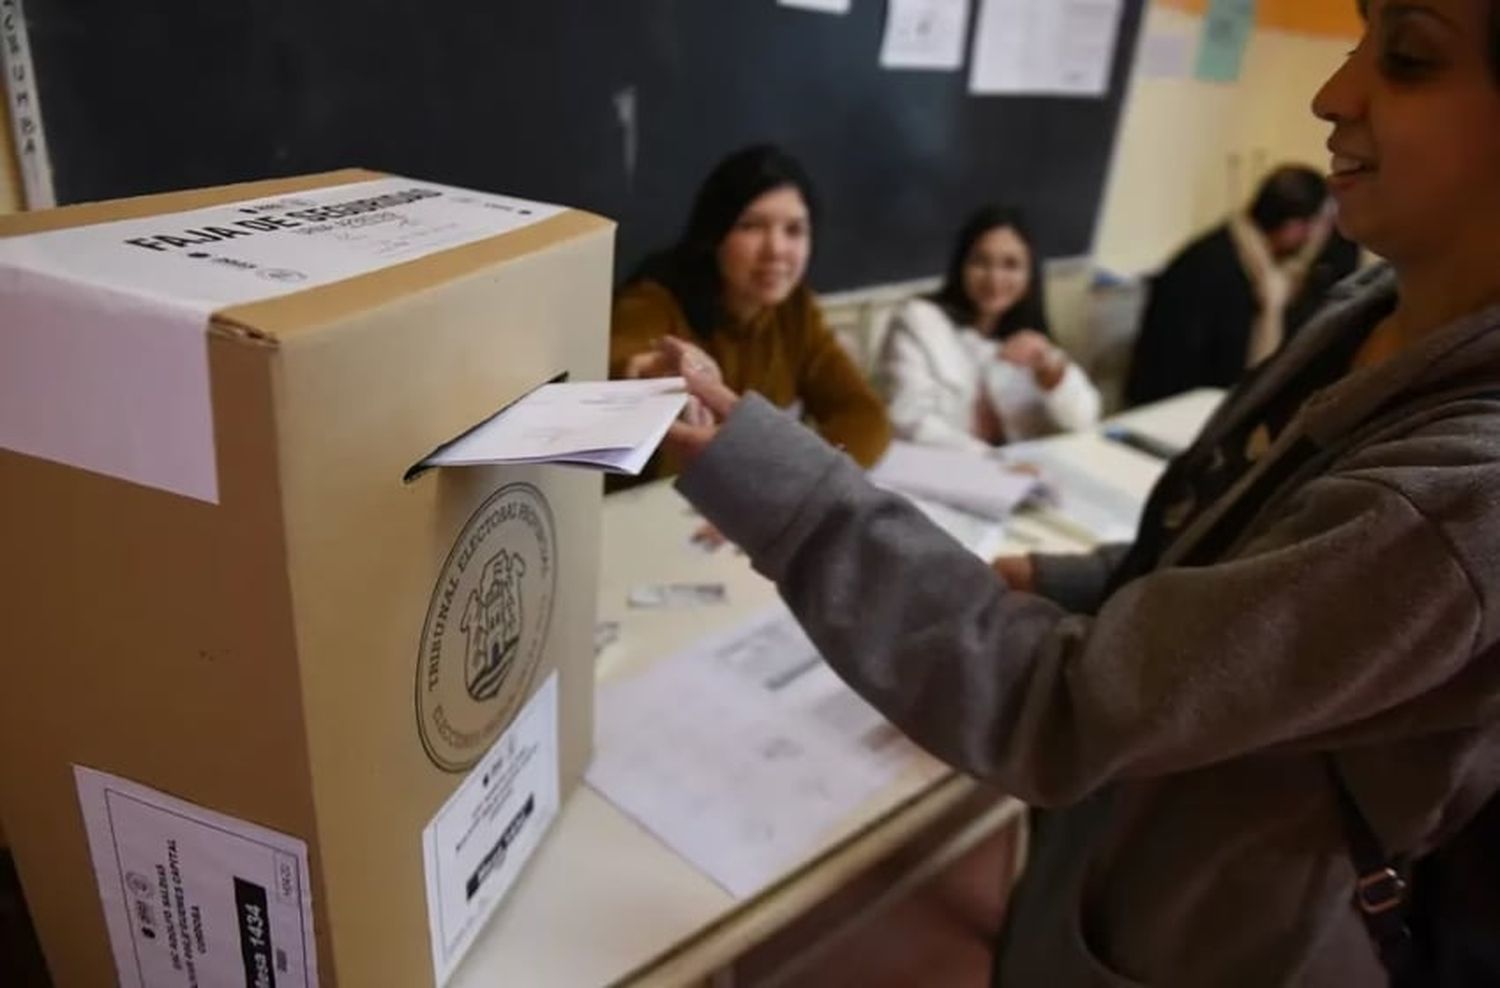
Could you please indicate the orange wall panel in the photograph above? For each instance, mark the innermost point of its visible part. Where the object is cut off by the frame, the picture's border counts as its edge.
(1335, 17)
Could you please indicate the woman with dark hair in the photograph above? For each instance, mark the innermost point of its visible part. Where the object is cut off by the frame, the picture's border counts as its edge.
(972, 366)
(1271, 725)
(733, 286)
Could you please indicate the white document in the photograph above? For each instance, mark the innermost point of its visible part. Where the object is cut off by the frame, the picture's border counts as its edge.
(194, 897)
(609, 425)
(981, 485)
(744, 752)
(825, 6)
(1044, 47)
(474, 849)
(924, 34)
(104, 349)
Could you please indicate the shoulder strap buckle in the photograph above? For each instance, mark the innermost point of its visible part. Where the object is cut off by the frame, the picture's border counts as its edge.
(1380, 891)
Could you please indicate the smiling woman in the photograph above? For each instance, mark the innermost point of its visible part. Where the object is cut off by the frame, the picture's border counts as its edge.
(1416, 157)
(732, 286)
(972, 365)
(1276, 710)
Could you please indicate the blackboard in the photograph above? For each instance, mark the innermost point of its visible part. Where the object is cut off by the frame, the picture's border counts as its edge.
(527, 99)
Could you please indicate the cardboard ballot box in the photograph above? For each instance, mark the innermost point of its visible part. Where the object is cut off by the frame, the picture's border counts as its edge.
(278, 707)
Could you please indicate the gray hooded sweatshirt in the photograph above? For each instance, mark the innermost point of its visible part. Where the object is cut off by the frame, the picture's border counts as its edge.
(1179, 724)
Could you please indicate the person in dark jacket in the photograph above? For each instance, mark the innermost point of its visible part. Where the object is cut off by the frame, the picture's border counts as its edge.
(1233, 296)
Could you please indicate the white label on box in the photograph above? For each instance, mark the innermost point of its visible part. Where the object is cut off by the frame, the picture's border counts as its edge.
(103, 353)
(193, 897)
(477, 844)
(260, 248)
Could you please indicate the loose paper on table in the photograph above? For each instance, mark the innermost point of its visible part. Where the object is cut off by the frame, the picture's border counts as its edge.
(744, 752)
(981, 485)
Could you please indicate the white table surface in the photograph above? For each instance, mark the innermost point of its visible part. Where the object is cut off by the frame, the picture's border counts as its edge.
(1174, 421)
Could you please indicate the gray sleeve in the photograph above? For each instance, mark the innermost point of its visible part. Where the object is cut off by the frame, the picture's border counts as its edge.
(1288, 643)
(1076, 581)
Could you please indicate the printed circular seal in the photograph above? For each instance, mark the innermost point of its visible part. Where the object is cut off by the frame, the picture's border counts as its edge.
(486, 626)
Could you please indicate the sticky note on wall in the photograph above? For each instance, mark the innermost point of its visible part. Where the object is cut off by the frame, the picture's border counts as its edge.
(1227, 26)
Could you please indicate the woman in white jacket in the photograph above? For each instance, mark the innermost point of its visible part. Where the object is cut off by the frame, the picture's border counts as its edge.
(971, 366)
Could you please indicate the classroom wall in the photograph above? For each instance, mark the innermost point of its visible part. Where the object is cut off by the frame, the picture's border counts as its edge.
(1190, 151)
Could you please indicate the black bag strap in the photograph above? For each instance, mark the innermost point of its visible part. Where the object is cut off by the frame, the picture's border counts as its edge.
(1381, 888)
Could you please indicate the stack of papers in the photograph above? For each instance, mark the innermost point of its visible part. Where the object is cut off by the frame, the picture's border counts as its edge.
(606, 425)
(980, 485)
